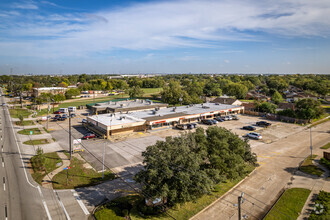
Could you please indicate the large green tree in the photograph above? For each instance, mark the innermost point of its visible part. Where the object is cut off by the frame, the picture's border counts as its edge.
(135, 91)
(308, 109)
(277, 97)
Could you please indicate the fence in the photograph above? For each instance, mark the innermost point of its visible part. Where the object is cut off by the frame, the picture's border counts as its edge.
(275, 117)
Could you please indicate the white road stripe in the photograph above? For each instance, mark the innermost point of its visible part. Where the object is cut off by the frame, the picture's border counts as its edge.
(27, 179)
(61, 204)
(81, 204)
(47, 211)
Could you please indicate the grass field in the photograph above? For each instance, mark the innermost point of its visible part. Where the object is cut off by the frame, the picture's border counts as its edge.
(308, 167)
(51, 159)
(14, 113)
(289, 205)
(179, 211)
(147, 93)
(327, 146)
(79, 176)
(36, 142)
(25, 123)
(27, 131)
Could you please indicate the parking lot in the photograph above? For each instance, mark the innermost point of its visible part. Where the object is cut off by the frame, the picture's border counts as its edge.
(125, 150)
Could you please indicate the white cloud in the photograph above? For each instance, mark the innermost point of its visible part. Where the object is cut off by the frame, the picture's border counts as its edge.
(226, 61)
(173, 24)
(25, 5)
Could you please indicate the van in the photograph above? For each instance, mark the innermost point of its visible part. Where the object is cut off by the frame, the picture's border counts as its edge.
(72, 108)
(63, 110)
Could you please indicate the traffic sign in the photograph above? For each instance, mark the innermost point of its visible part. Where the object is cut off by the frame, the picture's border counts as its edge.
(66, 168)
(31, 132)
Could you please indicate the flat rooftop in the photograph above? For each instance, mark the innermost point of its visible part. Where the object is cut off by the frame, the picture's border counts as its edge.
(115, 119)
(50, 88)
(194, 109)
(163, 113)
(127, 104)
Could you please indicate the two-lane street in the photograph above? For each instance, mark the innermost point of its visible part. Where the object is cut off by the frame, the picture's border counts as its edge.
(20, 198)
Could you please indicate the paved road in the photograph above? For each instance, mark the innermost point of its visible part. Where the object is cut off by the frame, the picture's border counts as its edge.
(279, 161)
(20, 199)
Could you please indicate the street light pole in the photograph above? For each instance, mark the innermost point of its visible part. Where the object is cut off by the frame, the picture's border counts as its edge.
(239, 206)
(311, 147)
(47, 112)
(70, 142)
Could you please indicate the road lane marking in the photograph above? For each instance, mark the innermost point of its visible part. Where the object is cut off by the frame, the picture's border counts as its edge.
(6, 213)
(3, 162)
(61, 204)
(27, 179)
(4, 184)
(47, 211)
(82, 205)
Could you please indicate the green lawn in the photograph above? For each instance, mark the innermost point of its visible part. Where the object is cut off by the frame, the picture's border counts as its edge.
(327, 146)
(324, 199)
(179, 211)
(27, 131)
(246, 100)
(308, 167)
(36, 142)
(51, 159)
(290, 205)
(25, 123)
(79, 176)
(14, 113)
(45, 129)
(150, 91)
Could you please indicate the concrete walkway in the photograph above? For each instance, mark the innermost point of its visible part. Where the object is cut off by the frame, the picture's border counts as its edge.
(315, 185)
(47, 180)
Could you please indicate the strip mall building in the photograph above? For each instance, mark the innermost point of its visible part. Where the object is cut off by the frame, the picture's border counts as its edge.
(158, 118)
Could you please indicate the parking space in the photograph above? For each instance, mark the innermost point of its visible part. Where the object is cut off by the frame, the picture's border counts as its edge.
(126, 150)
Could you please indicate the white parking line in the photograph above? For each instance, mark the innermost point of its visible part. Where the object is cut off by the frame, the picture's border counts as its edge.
(82, 205)
(61, 204)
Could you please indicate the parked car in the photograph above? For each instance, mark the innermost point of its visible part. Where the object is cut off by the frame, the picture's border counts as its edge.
(214, 121)
(58, 112)
(73, 115)
(57, 117)
(89, 135)
(63, 118)
(194, 125)
(84, 121)
(191, 125)
(207, 122)
(181, 126)
(263, 124)
(250, 128)
(219, 119)
(254, 135)
(227, 118)
(235, 117)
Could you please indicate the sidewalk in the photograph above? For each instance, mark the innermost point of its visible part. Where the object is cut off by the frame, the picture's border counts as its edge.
(47, 180)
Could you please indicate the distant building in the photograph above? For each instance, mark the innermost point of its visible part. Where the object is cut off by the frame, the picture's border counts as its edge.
(227, 101)
(53, 90)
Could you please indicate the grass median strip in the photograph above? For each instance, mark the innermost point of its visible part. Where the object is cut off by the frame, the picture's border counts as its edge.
(25, 123)
(308, 167)
(40, 170)
(36, 142)
(35, 131)
(79, 176)
(14, 113)
(327, 146)
(289, 205)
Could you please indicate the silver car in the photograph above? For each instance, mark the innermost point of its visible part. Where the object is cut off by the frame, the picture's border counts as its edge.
(254, 135)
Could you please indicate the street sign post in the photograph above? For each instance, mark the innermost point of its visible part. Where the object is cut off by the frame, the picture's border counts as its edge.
(31, 132)
(67, 174)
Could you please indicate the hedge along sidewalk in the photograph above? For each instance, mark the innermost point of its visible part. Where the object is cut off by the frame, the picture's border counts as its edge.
(47, 180)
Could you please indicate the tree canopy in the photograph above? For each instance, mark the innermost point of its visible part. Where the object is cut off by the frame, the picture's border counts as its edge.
(186, 167)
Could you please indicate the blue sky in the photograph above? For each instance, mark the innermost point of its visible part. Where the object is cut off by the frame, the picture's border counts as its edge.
(182, 36)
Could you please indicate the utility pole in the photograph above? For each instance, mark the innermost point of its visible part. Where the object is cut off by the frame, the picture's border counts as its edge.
(47, 112)
(239, 206)
(103, 158)
(311, 147)
(70, 142)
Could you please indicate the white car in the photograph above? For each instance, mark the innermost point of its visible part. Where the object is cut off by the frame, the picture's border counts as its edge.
(254, 135)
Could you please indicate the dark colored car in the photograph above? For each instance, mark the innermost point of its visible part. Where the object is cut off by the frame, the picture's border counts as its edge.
(63, 118)
(57, 117)
(219, 119)
(207, 122)
(58, 112)
(73, 115)
(89, 135)
(250, 128)
(194, 125)
(263, 124)
(214, 121)
(181, 127)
